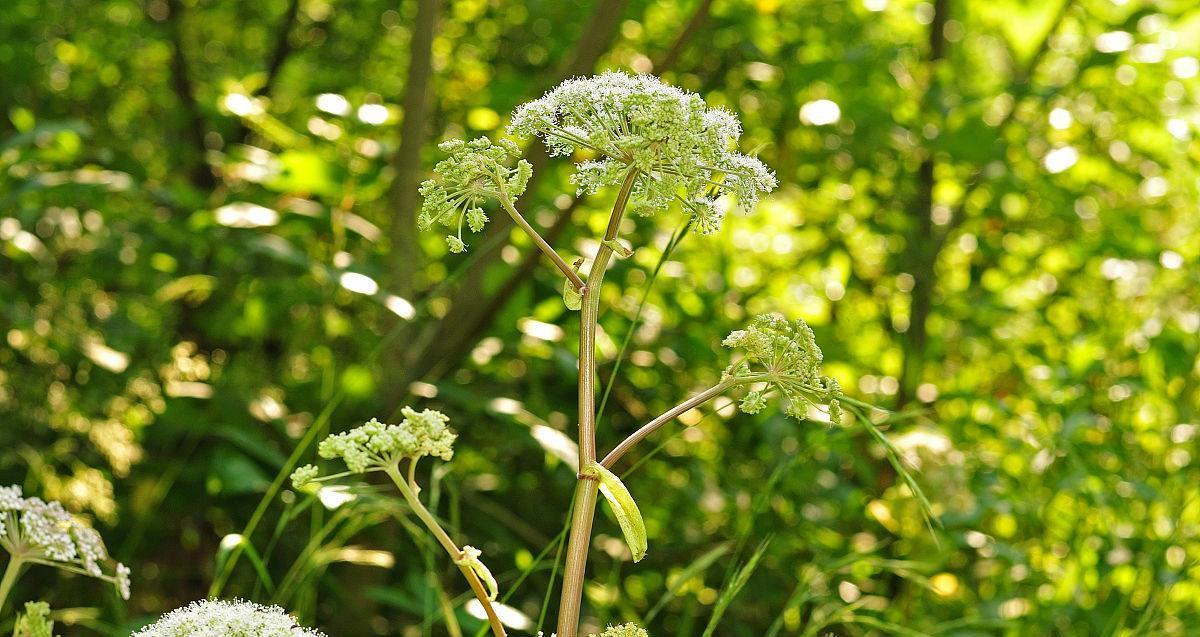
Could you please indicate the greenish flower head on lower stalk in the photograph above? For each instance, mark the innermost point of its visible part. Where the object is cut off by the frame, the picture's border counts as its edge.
(39, 532)
(377, 445)
(220, 618)
(624, 630)
(475, 172)
(35, 621)
(681, 149)
(785, 357)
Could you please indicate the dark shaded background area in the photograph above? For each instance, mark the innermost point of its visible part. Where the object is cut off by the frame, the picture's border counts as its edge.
(988, 213)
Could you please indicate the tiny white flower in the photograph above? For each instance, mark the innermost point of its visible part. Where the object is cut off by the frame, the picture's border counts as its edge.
(122, 582)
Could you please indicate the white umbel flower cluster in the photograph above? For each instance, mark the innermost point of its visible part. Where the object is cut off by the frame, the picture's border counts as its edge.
(678, 147)
(475, 172)
(38, 532)
(222, 618)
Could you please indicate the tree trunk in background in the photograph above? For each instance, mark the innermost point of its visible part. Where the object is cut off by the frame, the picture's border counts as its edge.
(922, 247)
(444, 342)
(671, 57)
(925, 242)
(279, 56)
(406, 256)
(185, 91)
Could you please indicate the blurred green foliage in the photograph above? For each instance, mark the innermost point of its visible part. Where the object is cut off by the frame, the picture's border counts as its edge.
(988, 214)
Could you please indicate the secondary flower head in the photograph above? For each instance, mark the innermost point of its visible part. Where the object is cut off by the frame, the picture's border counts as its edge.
(302, 476)
(678, 148)
(34, 530)
(624, 630)
(475, 172)
(786, 357)
(375, 444)
(35, 621)
(220, 618)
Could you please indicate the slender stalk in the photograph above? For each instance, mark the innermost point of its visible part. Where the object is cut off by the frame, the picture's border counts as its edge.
(671, 414)
(452, 549)
(10, 577)
(546, 248)
(587, 487)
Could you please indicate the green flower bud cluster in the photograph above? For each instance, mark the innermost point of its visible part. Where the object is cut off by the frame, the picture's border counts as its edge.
(376, 444)
(624, 630)
(304, 476)
(786, 357)
(35, 621)
(475, 172)
(680, 149)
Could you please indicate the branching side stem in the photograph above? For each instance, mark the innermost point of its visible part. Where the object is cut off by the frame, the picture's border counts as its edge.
(452, 549)
(542, 245)
(586, 489)
(671, 414)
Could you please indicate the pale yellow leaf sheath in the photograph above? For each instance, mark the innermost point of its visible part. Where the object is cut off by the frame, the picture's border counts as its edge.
(626, 510)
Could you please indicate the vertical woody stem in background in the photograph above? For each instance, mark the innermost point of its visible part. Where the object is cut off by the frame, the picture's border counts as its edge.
(185, 91)
(587, 488)
(921, 252)
(403, 194)
(442, 344)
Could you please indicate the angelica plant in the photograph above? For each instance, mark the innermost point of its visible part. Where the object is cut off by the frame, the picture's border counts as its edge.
(35, 532)
(221, 618)
(661, 148)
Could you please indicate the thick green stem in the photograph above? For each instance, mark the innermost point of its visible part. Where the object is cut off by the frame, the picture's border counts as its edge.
(452, 549)
(587, 486)
(10, 578)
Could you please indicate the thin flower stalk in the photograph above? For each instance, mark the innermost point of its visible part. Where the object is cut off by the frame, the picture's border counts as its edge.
(377, 446)
(406, 487)
(541, 243)
(11, 573)
(671, 414)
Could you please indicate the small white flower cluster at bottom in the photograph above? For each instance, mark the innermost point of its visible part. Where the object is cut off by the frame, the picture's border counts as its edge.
(227, 618)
